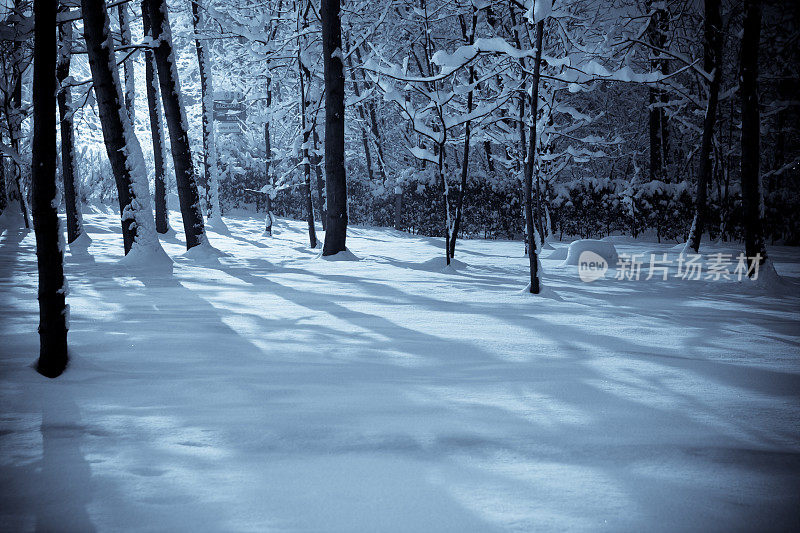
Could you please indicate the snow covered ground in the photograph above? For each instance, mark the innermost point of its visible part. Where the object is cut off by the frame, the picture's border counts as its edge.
(269, 389)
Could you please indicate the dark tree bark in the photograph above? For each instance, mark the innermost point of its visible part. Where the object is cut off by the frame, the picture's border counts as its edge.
(121, 144)
(487, 148)
(268, 170)
(529, 163)
(751, 132)
(712, 53)
(156, 129)
(71, 196)
(185, 175)
(398, 207)
(335, 181)
(52, 289)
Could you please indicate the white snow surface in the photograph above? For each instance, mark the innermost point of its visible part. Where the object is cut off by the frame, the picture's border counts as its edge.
(269, 390)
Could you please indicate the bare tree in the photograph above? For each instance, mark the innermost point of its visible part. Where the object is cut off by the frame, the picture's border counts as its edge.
(335, 180)
(712, 52)
(50, 260)
(156, 128)
(207, 104)
(122, 147)
(71, 192)
(529, 163)
(751, 133)
(185, 175)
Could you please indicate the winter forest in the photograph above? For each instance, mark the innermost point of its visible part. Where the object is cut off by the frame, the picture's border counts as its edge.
(399, 265)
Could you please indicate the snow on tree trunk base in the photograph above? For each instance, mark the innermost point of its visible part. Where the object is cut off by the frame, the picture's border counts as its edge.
(12, 217)
(80, 246)
(345, 255)
(151, 259)
(217, 223)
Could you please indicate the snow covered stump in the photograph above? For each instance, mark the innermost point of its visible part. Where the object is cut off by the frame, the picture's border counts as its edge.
(592, 257)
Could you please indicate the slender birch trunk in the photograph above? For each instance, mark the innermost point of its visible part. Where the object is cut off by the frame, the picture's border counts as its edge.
(711, 64)
(207, 100)
(71, 187)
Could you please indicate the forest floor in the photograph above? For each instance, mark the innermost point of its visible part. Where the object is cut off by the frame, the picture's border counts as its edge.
(267, 388)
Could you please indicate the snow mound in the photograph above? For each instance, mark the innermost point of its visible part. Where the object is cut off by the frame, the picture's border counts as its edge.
(218, 225)
(547, 246)
(544, 292)
(347, 255)
(204, 252)
(604, 249)
(147, 258)
(439, 264)
(559, 253)
(769, 281)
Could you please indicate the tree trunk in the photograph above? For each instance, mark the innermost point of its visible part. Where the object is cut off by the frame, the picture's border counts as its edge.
(156, 128)
(268, 146)
(751, 131)
(127, 63)
(317, 160)
(711, 64)
(71, 193)
(529, 162)
(207, 100)
(470, 39)
(305, 76)
(398, 207)
(335, 181)
(3, 202)
(50, 260)
(185, 175)
(14, 119)
(124, 152)
(445, 197)
(657, 35)
(361, 113)
(373, 125)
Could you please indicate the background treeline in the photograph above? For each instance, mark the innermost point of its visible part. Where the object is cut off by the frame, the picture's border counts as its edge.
(619, 124)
